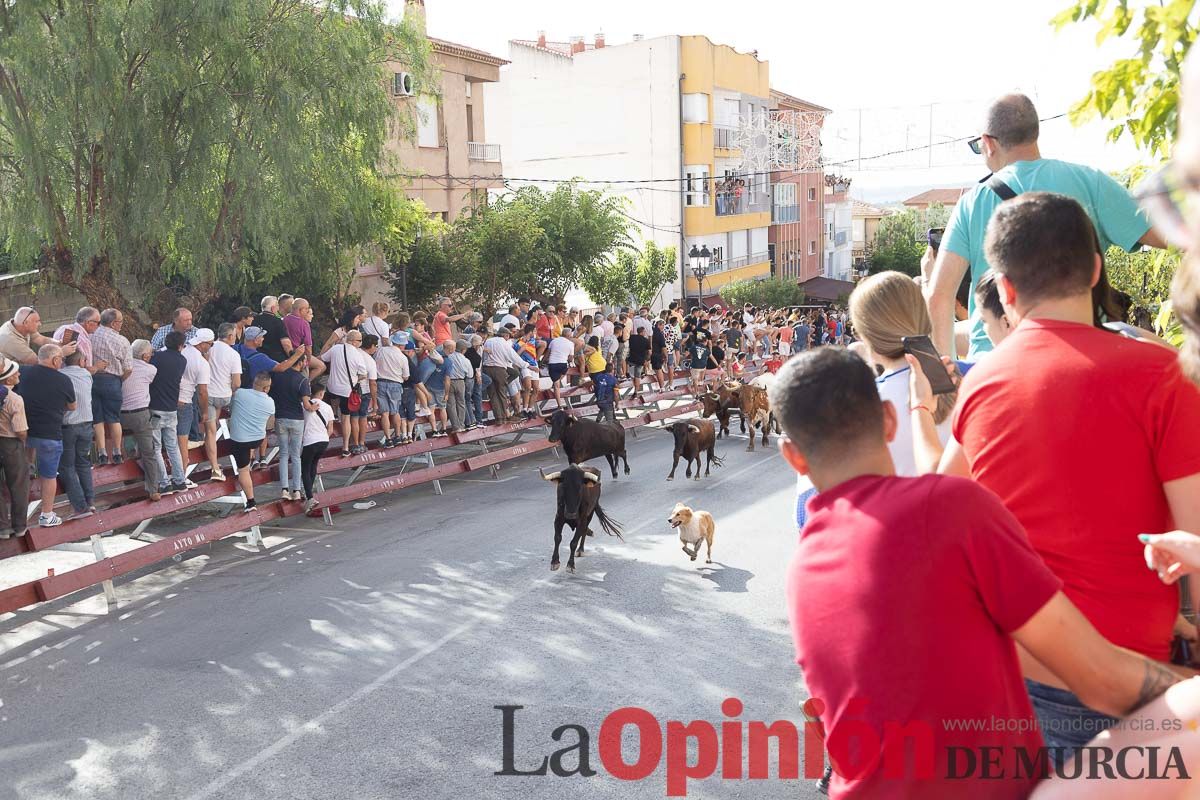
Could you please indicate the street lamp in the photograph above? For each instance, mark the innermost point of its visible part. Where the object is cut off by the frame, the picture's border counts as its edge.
(700, 259)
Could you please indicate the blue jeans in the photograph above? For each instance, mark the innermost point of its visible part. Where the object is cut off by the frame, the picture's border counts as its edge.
(75, 466)
(289, 432)
(1065, 722)
(474, 401)
(167, 421)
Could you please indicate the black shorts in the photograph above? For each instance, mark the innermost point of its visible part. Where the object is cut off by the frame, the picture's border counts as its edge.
(342, 404)
(656, 363)
(241, 452)
(556, 371)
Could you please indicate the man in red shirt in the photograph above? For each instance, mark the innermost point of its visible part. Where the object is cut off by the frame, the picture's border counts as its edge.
(541, 319)
(903, 595)
(1089, 438)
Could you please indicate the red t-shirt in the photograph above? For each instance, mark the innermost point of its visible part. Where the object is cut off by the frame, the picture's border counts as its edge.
(544, 331)
(1076, 429)
(902, 594)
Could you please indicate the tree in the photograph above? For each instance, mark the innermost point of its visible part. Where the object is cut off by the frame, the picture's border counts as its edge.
(1140, 93)
(583, 230)
(902, 238)
(634, 278)
(419, 268)
(147, 144)
(775, 292)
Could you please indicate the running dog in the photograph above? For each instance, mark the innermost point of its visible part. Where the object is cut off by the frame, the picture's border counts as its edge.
(694, 527)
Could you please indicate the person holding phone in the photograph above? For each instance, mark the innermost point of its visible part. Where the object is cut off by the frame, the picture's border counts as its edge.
(889, 311)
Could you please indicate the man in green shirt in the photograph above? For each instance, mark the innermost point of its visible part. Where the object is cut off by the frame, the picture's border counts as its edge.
(1009, 144)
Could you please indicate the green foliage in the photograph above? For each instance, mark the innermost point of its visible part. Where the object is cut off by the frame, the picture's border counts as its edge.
(1140, 92)
(634, 278)
(1168, 326)
(1145, 276)
(417, 266)
(530, 243)
(208, 146)
(902, 238)
(776, 292)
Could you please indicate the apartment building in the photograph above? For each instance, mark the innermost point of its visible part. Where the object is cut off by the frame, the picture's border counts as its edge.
(839, 224)
(865, 220)
(797, 235)
(653, 120)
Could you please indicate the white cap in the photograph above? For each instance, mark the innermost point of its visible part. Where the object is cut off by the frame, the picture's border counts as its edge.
(203, 335)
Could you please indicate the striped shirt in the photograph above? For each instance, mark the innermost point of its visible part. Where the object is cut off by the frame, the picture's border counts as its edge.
(110, 346)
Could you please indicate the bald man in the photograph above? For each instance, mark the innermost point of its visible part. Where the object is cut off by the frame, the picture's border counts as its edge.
(1008, 141)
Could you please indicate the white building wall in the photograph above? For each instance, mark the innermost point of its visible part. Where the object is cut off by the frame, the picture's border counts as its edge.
(839, 239)
(603, 115)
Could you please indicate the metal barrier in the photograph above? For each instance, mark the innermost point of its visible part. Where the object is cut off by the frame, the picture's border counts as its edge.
(141, 511)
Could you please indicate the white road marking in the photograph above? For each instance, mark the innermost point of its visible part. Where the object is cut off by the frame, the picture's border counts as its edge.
(314, 724)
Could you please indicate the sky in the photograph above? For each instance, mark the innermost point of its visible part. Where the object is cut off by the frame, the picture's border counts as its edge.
(884, 63)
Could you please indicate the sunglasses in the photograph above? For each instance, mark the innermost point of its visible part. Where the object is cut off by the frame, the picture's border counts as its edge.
(976, 144)
(1169, 198)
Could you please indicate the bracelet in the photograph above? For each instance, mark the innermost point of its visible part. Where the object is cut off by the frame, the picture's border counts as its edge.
(921, 408)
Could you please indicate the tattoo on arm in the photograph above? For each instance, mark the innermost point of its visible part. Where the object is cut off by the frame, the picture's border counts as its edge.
(1156, 679)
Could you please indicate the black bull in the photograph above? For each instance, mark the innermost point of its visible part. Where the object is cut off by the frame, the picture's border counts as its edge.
(578, 501)
(693, 438)
(583, 439)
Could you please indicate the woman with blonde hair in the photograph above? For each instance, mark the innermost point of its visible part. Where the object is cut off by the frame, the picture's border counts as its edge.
(884, 309)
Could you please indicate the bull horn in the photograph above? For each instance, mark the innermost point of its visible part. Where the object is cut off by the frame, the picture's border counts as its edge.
(553, 476)
(587, 476)
(693, 429)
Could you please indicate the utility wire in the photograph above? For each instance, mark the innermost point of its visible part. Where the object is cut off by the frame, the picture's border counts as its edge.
(640, 183)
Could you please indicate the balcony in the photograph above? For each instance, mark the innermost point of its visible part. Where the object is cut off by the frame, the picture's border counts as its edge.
(782, 214)
(738, 262)
(729, 203)
(479, 151)
(723, 137)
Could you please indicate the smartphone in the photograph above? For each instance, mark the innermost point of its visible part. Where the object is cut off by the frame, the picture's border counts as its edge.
(931, 363)
(934, 237)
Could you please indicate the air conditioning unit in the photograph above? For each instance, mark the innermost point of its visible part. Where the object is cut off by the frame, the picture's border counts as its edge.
(402, 84)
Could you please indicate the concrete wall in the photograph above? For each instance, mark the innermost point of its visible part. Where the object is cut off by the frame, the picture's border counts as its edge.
(56, 304)
(608, 114)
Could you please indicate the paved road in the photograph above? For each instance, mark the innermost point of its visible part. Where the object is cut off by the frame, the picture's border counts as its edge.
(366, 662)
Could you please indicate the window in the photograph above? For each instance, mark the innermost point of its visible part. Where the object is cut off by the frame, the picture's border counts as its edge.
(758, 240)
(785, 194)
(812, 248)
(427, 122)
(468, 89)
(812, 195)
(695, 107)
(718, 257)
(696, 184)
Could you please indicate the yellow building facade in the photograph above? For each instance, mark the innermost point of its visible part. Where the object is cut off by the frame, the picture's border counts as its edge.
(725, 209)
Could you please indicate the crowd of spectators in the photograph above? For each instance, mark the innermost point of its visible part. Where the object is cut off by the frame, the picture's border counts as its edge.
(88, 396)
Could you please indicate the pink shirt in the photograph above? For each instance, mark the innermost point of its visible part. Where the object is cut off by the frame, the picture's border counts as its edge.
(298, 330)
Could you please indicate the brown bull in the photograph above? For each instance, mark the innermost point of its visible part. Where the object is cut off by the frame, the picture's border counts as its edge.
(756, 410)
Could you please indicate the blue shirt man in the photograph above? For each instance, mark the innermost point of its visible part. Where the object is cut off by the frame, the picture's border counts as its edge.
(1009, 144)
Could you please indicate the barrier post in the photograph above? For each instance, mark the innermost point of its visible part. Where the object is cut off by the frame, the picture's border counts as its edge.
(110, 592)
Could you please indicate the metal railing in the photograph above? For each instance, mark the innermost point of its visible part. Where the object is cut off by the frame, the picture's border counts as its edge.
(730, 203)
(737, 262)
(481, 151)
(785, 213)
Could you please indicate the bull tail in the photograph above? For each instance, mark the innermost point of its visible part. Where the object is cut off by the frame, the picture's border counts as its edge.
(716, 461)
(610, 525)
